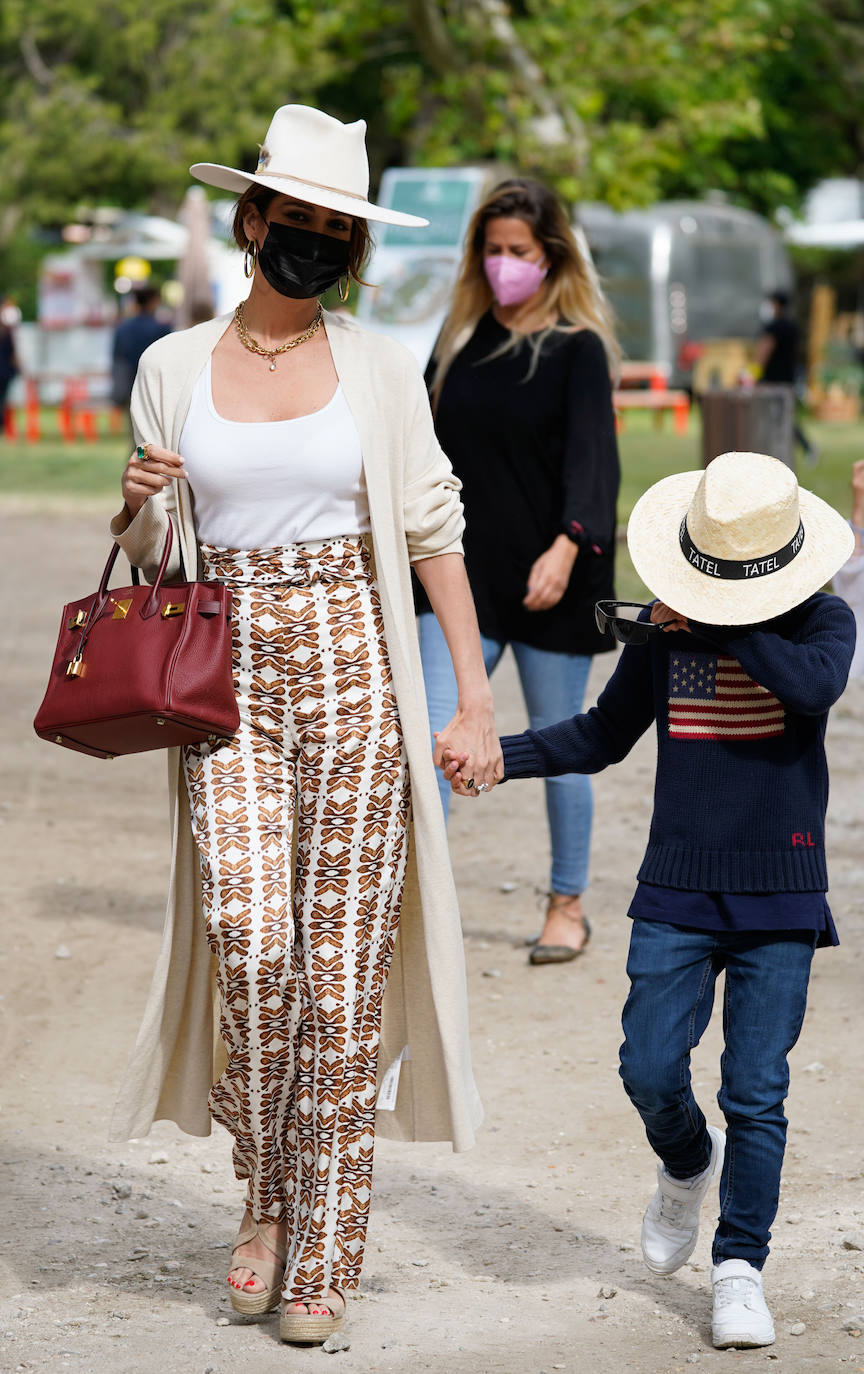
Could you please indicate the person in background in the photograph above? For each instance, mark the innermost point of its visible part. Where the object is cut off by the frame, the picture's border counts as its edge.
(849, 581)
(522, 398)
(132, 335)
(777, 356)
(9, 369)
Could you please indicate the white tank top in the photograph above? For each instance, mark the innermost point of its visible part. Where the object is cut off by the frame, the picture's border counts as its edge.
(258, 485)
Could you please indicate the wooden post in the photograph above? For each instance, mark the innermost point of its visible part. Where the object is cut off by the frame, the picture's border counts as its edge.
(823, 304)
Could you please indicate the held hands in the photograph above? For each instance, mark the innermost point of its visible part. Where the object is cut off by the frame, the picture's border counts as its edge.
(146, 475)
(457, 772)
(470, 743)
(661, 613)
(550, 574)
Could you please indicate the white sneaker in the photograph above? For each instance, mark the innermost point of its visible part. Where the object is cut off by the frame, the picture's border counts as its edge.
(670, 1226)
(741, 1318)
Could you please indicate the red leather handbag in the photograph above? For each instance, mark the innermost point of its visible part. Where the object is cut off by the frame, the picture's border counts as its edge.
(142, 668)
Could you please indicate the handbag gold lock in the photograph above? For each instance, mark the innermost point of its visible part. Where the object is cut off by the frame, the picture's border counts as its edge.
(172, 608)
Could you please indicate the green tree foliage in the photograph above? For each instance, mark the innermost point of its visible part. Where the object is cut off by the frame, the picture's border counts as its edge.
(812, 91)
(626, 101)
(109, 101)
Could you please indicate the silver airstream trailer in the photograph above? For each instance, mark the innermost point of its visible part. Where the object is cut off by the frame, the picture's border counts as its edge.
(682, 272)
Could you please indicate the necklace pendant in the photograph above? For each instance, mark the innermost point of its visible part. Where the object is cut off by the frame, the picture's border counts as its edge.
(272, 367)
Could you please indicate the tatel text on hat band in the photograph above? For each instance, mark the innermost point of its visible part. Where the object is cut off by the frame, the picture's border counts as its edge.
(739, 569)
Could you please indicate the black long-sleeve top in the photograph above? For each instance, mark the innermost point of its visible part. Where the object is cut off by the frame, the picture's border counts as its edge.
(537, 456)
(741, 787)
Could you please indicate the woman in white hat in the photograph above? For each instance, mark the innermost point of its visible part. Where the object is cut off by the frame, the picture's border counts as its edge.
(294, 455)
(737, 664)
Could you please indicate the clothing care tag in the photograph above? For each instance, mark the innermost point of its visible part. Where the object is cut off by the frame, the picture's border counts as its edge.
(390, 1083)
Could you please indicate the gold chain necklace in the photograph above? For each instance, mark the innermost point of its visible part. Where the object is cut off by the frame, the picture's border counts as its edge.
(272, 353)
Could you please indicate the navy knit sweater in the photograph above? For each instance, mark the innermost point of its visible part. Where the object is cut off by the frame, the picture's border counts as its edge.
(742, 779)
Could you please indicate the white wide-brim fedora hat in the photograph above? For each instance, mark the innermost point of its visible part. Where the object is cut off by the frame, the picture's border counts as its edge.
(736, 544)
(311, 155)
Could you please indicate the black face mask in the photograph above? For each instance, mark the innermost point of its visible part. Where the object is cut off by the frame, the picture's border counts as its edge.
(301, 263)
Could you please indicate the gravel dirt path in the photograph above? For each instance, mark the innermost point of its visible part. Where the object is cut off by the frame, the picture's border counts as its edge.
(519, 1257)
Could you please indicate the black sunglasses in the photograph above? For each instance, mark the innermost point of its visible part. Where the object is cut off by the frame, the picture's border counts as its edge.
(622, 618)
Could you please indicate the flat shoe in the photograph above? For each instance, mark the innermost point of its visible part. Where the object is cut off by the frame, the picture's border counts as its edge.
(553, 954)
(559, 954)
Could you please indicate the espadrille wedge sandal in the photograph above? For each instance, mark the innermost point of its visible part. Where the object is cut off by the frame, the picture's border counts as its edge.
(307, 1328)
(270, 1272)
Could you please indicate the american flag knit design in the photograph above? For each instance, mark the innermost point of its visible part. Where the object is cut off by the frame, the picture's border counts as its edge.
(711, 697)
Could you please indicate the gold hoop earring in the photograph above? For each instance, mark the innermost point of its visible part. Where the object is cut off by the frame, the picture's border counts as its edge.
(343, 295)
(249, 263)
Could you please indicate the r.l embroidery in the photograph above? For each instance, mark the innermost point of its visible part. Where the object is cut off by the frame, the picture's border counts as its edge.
(711, 697)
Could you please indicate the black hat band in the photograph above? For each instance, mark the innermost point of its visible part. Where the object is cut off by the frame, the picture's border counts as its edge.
(739, 569)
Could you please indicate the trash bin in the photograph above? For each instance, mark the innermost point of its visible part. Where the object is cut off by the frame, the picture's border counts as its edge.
(754, 419)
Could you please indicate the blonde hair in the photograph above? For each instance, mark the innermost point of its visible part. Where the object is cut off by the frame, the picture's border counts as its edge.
(572, 294)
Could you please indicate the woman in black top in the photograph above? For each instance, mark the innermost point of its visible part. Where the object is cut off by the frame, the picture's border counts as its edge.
(520, 383)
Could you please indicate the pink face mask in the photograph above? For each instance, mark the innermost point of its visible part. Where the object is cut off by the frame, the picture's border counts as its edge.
(513, 280)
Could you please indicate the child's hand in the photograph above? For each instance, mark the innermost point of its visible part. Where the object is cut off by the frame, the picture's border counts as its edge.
(451, 766)
(661, 613)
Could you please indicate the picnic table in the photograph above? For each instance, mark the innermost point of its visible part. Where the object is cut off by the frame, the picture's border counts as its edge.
(645, 386)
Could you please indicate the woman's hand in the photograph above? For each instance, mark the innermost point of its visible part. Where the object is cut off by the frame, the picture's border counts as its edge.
(471, 737)
(550, 575)
(661, 614)
(143, 477)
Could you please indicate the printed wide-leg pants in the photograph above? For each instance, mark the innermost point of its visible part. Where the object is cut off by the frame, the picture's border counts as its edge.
(318, 762)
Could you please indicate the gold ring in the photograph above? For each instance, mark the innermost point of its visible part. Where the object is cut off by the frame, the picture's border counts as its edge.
(142, 452)
(469, 784)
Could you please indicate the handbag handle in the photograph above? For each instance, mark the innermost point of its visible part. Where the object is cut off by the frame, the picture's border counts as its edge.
(136, 575)
(100, 601)
(151, 605)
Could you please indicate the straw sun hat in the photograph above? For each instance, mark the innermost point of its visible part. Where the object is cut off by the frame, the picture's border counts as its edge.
(311, 155)
(738, 543)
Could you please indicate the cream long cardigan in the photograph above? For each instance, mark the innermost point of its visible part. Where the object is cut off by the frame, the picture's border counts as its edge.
(415, 512)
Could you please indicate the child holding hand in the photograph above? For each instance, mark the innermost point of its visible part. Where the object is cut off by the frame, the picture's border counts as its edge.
(737, 664)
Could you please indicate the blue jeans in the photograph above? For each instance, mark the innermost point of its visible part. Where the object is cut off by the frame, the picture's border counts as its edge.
(553, 686)
(672, 973)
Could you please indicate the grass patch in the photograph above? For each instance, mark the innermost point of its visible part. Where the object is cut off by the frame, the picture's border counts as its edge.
(55, 469)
